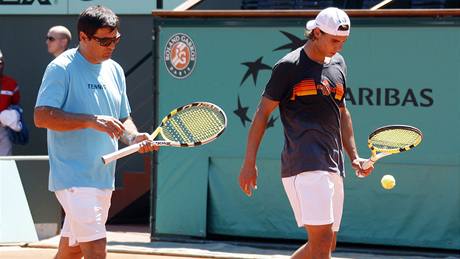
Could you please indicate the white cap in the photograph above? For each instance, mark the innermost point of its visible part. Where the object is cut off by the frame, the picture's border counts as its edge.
(329, 21)
(1, 54)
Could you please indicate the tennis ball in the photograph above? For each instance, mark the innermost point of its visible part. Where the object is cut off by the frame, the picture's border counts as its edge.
(388, 181)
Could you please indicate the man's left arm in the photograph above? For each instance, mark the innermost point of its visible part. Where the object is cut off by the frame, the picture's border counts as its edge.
(133, 136)
(348, 140)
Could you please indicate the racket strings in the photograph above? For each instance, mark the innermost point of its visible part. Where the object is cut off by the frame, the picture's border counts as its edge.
(194, 124)
(395, 139)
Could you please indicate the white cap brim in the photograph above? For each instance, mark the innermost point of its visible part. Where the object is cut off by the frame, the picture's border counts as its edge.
(311, 25)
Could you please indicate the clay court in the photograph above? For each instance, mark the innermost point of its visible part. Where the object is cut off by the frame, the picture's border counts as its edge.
(133, 242)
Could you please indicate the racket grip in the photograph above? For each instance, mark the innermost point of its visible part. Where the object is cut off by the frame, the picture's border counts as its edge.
(368, 163)
(120, 153)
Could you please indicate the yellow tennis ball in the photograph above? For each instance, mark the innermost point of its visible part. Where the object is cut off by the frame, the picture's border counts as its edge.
(388, 181)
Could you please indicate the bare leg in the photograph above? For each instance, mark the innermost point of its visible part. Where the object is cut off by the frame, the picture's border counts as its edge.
(334, 242)
(319, 244)
(301, 253)
(94, 249)
(68, 252)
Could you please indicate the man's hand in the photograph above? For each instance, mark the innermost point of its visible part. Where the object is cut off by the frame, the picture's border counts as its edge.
(146, 143)
(113, 127)
(248, 179)
(357, 165)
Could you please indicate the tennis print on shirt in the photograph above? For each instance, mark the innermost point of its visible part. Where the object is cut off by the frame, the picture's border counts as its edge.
(96, 86)
(104, 91)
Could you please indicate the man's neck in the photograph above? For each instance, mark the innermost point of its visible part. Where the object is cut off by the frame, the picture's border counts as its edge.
(57, 53)
(87, 55)
(311, 50)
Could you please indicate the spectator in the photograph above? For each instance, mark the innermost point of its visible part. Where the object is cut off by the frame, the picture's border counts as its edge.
(58, 39)
(9, 95)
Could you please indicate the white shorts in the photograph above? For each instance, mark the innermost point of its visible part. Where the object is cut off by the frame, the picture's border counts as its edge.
(316, 198)
(86, 212)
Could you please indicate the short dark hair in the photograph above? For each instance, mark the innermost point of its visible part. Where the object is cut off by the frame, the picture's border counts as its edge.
(97, 17)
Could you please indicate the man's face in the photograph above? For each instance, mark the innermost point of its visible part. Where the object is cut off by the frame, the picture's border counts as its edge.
(56, 42)
(101, 45)
(2, 65)
(329, 44)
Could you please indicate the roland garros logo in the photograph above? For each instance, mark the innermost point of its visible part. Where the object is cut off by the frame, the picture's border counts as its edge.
(180, 55)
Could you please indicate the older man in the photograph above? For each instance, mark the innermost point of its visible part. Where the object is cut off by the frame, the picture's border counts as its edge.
(83, 103)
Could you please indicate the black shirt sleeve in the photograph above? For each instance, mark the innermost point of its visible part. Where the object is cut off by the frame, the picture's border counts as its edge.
(279, 86)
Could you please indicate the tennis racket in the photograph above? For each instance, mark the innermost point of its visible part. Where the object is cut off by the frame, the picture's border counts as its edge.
(191, 125)
(391, 139)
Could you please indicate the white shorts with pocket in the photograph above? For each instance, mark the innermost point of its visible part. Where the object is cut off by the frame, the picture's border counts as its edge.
(86, 212)
(316, 198)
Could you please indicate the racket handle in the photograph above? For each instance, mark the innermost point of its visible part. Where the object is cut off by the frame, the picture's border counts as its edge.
(368, 163)
(120, 153)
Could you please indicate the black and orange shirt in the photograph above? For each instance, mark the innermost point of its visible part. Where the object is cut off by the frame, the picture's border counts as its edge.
(9, 92)
(310, 95)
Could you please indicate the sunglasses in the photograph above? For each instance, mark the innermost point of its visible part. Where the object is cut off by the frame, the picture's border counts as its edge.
(50, 38)
(105, 42)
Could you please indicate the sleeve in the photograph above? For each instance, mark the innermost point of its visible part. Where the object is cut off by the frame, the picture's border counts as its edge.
(16, 95)
(125, 108)
(54, 88)
(278, 87)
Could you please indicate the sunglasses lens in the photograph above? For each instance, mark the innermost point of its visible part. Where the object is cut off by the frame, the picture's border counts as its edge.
(107, 42)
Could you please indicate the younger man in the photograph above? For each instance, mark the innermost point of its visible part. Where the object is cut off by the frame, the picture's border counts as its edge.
(308, 85)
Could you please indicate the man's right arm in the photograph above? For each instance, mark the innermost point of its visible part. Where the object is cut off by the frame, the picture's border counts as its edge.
(59, 120)
(248, 173)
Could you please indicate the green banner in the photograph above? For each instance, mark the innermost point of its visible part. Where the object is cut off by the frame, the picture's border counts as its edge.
(396, 75)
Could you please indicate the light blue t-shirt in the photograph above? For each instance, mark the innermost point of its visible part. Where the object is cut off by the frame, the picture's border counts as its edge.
(72, 84)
